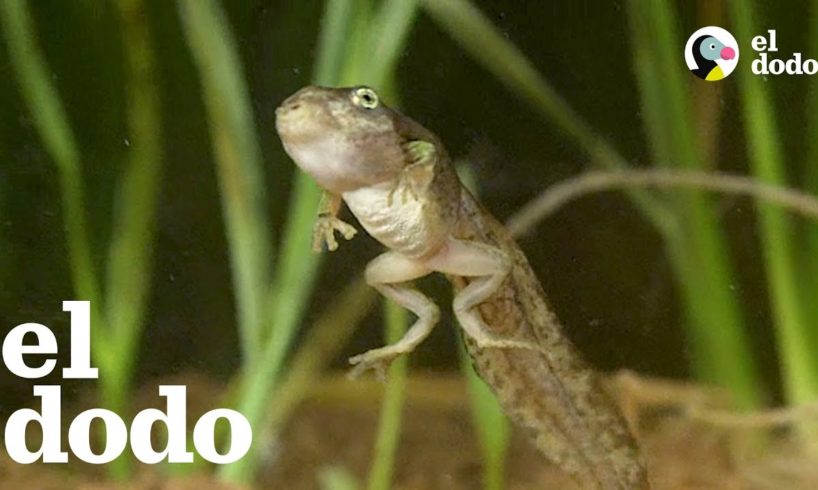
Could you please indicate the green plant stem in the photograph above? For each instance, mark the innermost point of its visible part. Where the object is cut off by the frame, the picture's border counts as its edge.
(477, 36)
(389, 423)
(492, 427)
(130, 260)
(707, 109)
(293, 281)
(796, 345)
(238, 164)
(113, 351)
(811, 133)
(699, 253)
(333, 40)
(296, 266)
(356, 56)
(810, 254)
(322, 344)
(131, 249)
(390, 28)
(52, 125)
(266, 314)
(336, 478)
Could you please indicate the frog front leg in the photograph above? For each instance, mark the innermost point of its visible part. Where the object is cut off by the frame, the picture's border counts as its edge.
(416, 177)
(388, 273)
(327, 223)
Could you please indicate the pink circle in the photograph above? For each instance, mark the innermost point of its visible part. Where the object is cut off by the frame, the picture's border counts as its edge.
(728, 53)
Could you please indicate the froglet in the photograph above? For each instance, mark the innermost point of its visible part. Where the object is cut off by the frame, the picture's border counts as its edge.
(396, 177)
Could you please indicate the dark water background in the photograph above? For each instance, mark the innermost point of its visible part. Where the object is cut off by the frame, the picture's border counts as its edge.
(602, 265)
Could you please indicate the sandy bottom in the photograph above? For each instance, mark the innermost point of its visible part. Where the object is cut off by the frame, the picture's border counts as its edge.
(691, 439)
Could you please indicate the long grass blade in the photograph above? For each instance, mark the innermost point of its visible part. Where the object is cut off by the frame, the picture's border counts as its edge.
(333, 40)
(811, 139)
(796, 345)
(700, 254)
(389, 424)
(322, 344)
(476, 35)
(131, 249)
(492, 427)
(51, 122)
(130, 252)
(810, 169)
(296, 266)
(238, 162)
(390, 29)
(337, 478)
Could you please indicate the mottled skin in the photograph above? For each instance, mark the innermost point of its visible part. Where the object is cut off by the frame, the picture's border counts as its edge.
(398, 180)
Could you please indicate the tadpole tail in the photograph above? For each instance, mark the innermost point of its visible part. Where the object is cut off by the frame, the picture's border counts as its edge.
(552, 392)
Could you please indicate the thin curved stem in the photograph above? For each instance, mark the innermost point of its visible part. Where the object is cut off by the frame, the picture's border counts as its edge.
(560, 194)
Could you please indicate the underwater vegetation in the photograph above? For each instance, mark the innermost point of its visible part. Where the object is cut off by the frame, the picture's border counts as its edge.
(138, 147)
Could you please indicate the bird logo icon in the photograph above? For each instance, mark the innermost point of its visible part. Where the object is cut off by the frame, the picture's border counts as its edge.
(711, 53)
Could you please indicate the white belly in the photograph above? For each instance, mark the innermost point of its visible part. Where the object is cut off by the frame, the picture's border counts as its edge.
(403, 224)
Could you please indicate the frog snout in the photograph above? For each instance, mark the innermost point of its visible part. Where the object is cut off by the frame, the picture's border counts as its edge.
(292, 114)
(289, 105)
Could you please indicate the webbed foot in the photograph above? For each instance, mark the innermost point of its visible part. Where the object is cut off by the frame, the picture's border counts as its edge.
(377, 360)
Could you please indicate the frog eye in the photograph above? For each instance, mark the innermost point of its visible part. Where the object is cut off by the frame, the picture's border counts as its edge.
(365, 97)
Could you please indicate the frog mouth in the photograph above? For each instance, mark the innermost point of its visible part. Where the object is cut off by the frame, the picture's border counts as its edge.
(300, 120)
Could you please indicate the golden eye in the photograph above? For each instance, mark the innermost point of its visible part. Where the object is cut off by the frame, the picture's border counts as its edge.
(365, 97)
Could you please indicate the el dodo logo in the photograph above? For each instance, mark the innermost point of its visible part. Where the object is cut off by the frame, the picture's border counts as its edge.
(16, 356)
(711, 53)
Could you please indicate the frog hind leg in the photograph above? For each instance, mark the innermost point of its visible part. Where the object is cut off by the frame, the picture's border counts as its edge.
(489, 266)
(388, 273)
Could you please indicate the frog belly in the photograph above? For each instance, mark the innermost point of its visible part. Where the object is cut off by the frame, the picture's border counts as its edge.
(401, 223)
